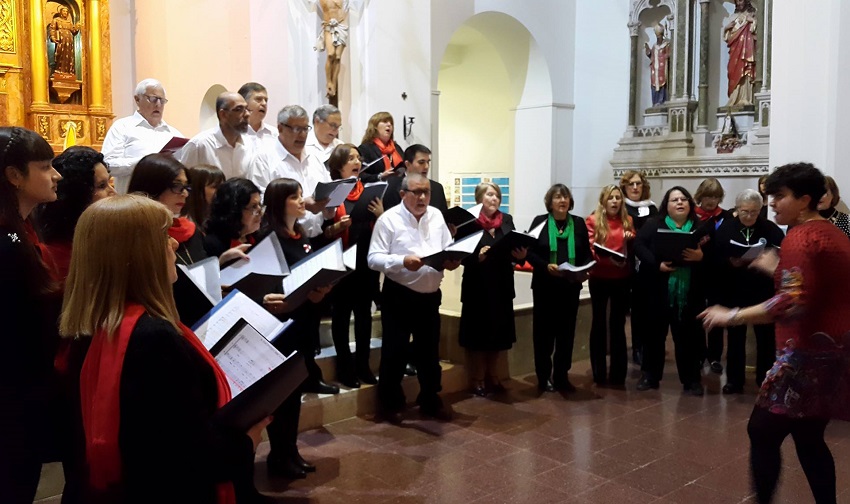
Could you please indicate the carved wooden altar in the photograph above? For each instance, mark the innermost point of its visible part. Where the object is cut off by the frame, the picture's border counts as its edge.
(55, 68)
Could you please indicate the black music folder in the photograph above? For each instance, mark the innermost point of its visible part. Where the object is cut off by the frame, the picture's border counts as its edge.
(325, 267)
(669, 245)
(456, 251)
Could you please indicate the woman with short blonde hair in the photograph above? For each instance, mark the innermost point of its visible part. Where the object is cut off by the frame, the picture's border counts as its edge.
(148, 387)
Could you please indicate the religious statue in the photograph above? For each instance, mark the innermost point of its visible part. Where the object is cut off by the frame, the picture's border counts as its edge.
(658, 56)
(333, 39)
(61, 32)
(740, 36)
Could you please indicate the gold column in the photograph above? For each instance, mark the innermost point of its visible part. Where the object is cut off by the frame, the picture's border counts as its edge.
(39, 55)
(95, 59)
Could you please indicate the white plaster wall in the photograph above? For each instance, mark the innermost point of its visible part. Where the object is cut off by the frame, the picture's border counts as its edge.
(122, 24)
(602, 96)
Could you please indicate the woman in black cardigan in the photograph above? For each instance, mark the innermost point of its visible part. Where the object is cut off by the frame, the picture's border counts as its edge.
(487, 326)
(675, 293)
(563, 238)
(378, 144)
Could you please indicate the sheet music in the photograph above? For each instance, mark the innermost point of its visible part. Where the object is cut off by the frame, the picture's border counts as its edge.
(467, 244)
(247, 358)
(371, 163)
(339, 193)
(476, 210)
(266, 258)
(329, 257)
(753, 250)
(349, 257)
(206, 275)
(538, 229)
(227, 313)
(569, 267)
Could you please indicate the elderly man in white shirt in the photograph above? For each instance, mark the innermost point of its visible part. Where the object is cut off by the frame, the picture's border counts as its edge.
(145, 132)
(224, 145)
(290, 160)
(403, 235)
(263, 135)
(321, 142)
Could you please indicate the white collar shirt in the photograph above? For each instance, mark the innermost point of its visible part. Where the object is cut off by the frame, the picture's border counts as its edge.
(397, 234)
(315, 148)
(128, 140)
(264, 138)
(210, 147)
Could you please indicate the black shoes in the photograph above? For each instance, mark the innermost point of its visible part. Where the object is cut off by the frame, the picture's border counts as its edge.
(440, 413)
(730, 388)
(647, 383)
(285, 467)
(321, 387)
(695, 389)
(716, 367)
(480, 390)
(392, 416)
(545, 386)
(564, 386)
(366, 376)
(410, 370)
(347, 379)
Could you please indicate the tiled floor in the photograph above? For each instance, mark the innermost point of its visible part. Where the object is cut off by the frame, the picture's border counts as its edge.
(594, 446)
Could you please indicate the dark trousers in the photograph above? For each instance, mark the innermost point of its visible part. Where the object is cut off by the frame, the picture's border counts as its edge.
(767, 432)
(554, 329)
(736, 354)
(714, 346)
(601, 291)
(283, 430)
(639, 311)
(353, 294)
(19, 475)
(687, 336)
(405, 312)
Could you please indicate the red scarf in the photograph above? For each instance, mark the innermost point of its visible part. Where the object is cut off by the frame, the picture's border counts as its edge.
(393, 158)
(100, 383)
(44, 252)
(490, 223)
(704, 216)
(248, 239)
(354, 195)
(182, 229)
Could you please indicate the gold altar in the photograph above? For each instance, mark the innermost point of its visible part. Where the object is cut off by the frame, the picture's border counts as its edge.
(55, 68)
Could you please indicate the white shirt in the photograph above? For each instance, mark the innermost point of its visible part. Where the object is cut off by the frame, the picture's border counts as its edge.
(128, 140)
(264, 138)
(308, 171)
(397, 233)
(210, 147)
(315, 148)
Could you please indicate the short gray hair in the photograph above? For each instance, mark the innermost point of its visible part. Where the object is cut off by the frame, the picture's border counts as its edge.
(291, 112)
(322, 113)
(412, 177)
(748, 196)
(142, 87)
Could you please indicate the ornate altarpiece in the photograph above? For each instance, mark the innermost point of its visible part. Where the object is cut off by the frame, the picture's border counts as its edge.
(55, 68)
(680, 138)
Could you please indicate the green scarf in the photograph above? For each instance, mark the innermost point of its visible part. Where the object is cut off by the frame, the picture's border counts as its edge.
(679, 281)
(566, 234)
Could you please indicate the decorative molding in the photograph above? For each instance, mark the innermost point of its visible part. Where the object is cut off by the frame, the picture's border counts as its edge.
(634, 28)
(7, 26)
(649, 131)
(63, 131)
(639, 6)
(43, 125)
(100, 129)
(727, 170)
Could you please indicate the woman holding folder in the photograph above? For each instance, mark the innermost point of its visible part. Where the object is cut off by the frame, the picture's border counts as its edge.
(610, 231)
(675, 289)
(284, 206)
(27, 301)
(487, 326)
(149, 389)
(355, 292)
(563, 239)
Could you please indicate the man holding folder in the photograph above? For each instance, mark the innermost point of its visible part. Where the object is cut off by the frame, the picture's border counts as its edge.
(403, 235)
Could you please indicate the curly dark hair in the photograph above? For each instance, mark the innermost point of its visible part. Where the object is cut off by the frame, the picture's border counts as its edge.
(229, 201)
(662, 208)
(802, 179)
(74, 193)
(275, 198)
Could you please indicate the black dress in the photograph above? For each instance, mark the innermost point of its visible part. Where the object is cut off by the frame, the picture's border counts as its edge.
(487, 293)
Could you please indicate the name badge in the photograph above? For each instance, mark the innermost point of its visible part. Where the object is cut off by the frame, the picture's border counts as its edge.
(643, 211)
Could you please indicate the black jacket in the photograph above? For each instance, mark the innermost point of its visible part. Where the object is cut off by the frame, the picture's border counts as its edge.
(370, 152)
(740, 285)
(538, 255)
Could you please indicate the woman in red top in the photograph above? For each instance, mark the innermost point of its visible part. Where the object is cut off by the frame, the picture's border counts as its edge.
(810, 309)
(610, 227)
(148, 387)
(27, 180)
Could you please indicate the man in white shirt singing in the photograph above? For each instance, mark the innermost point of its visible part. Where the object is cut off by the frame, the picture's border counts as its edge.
(263, 135)
(131, 138)
(224, 145)
(321, 142)
(403, 235)
(289, 159)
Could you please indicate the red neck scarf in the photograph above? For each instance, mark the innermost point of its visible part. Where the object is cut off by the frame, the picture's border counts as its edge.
(490, 223)
(704, 216)
(100, 384)
(182, 229)
(248, 239)
(44, 252)
(393, 158)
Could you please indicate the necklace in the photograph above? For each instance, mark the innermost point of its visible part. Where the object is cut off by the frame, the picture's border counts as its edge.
(747, 232)
(187, 261)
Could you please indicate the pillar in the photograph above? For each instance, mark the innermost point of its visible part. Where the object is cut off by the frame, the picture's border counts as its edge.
(702, 119)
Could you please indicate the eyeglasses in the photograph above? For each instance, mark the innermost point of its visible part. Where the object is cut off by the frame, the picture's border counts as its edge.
(156, 99)
(748, 213)
(178, 188)
(420, 192)
(634, 184)
(298, 129)
(239, 110)
(678, 200)
(255, 209)
(336, 127)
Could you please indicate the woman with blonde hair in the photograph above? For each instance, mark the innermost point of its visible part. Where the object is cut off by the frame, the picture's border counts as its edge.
(609, 226)
(148, 386)
(378, 143)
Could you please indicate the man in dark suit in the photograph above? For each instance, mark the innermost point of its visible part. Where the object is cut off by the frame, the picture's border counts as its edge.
(417, 159)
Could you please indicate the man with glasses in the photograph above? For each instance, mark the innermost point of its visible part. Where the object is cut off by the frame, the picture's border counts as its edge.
(131, 138)
(290, 159)
(262, 134)
(224, 146)
(327, 123)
